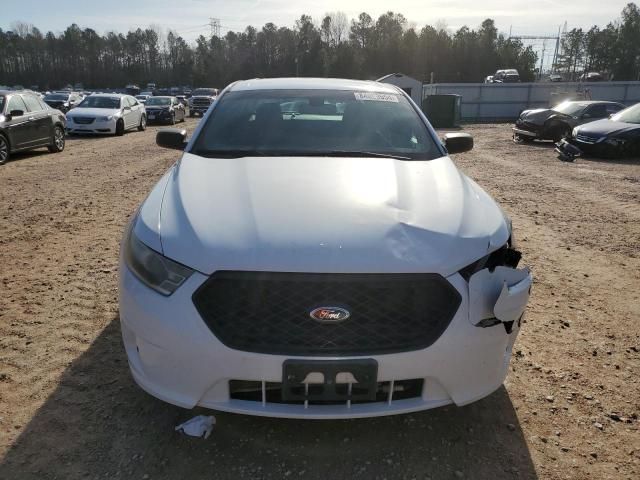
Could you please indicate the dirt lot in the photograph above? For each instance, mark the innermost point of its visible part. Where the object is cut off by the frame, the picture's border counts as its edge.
(69, 408)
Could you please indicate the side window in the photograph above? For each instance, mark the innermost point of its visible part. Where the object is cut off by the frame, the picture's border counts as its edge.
(16, 103)
(32, 103)
(597, 111)
(43, 105)
(613, 108)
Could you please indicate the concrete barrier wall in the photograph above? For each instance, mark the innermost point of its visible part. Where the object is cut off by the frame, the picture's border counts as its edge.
(502, 102)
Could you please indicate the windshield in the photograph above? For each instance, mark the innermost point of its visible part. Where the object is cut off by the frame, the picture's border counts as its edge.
(204, 91)
(569, 108)
(57, 96)
(315, 122)
(628, 115)
(100, 102)
(158, 101)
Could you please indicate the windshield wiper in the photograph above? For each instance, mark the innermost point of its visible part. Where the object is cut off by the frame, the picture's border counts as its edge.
(359, 153)
(238, 153)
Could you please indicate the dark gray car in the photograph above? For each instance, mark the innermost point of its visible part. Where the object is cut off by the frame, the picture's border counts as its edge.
(26, 122)
(556, 123)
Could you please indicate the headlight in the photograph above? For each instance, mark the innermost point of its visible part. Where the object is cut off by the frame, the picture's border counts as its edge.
(574, 132)
(106, 119)
(66, 104)
(153, 269)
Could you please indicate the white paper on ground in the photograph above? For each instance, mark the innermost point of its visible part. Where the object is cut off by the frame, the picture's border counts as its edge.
(200, 426)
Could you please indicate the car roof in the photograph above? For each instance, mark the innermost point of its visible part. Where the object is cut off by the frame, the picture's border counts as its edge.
(592, 102)
(312, 84)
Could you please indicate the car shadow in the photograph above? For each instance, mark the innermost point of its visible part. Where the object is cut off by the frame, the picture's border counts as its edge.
(98, 423)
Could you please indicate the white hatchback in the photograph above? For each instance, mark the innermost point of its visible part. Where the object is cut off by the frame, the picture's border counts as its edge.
(315, 253)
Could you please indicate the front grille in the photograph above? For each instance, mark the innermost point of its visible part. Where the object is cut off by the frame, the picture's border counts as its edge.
(270, 312)
(586, 138)
(201, 102)
(253, 391)
(83, 120)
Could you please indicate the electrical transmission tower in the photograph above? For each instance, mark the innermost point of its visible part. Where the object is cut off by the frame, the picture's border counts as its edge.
(214, 23)
(539, 44)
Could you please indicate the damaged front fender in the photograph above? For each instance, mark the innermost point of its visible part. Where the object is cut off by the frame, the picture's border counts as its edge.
(499, 296)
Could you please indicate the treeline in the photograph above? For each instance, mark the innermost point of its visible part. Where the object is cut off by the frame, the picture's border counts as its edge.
(613, 50)
(362, 47)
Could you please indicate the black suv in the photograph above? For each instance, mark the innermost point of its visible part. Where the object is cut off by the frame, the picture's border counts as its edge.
(26, 122)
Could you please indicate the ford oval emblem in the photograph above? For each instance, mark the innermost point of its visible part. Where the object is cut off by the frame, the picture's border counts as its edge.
(329, 314)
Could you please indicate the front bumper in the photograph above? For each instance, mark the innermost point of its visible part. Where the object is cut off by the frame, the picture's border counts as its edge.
(105, 127)
(175, 357)
(158, 116)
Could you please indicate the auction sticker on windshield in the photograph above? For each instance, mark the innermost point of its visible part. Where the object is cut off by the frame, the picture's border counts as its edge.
(376, 97)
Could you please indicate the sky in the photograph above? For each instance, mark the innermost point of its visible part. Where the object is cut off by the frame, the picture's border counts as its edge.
(190, 17)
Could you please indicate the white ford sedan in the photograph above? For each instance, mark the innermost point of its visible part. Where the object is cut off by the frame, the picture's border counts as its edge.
(107, 114)
(315, 253)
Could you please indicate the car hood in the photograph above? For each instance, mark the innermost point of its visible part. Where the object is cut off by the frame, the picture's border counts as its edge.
(607, 127)
(93, 112)
(319, 214)
(538, 115)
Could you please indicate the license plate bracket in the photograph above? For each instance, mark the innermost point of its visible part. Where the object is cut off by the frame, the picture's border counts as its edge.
(329, 380)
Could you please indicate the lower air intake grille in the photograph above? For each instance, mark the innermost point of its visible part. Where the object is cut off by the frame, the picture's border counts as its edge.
(270, 312)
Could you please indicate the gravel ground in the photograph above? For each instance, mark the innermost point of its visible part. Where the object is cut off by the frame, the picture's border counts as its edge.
(69, 408)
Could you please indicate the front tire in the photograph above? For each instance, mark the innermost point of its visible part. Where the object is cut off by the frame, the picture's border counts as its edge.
(120, 128)
(143, 123)
(58, 140)
(560, 131)
(4, 150)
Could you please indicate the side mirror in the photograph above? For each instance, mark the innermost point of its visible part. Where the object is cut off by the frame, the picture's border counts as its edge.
(172, 138)
(16, 113)
(458, 142)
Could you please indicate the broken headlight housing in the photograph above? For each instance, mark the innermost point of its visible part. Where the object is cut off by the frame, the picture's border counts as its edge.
(505, 256)
(153, 269)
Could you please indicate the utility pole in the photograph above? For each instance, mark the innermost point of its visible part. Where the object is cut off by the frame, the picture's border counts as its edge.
(214, 23)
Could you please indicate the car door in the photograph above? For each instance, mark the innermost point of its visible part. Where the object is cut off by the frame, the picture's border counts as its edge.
(178, 108)
(41, 121)
(133, 112)
(19, 128)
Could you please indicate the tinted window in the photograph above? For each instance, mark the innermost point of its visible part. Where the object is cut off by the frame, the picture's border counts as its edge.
(16, 103)
(315, 122)
(100, 102)
(613, 108)
(597, 111)
(32, 103)
(205, 91)
(60, 97)
(156, 101)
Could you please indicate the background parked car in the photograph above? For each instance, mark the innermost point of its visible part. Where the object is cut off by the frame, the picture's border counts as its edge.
(107, 113)
(201, 99)
(614, 137)
(488, 79)
(63, 101)
(557, 122)
(509, 75)
(591, 77)
(142, 98)
(26, 122)
(165, 110)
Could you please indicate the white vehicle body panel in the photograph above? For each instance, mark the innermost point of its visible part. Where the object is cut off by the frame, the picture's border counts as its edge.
(322, 214)
(319, 215)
